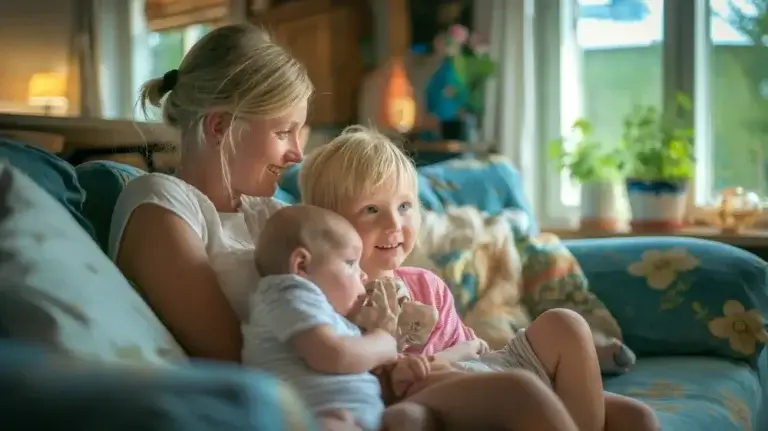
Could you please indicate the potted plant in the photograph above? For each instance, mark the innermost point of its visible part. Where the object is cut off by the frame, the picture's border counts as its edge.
(596, 167)
(659, 164)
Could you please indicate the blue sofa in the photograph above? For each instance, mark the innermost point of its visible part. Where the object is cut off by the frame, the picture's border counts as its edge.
(694, 380)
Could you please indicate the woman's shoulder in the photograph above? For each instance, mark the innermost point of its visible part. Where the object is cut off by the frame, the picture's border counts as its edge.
(166, 191)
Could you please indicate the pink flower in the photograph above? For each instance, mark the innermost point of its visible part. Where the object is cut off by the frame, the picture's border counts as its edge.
(479, 43)
(458, 33)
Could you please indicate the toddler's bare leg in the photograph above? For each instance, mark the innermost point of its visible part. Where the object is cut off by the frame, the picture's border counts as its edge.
(563, 343)
(627, 414)
(513, 401)
(408, 416)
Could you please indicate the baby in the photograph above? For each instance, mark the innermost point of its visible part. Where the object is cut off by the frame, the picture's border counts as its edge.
(309, 260)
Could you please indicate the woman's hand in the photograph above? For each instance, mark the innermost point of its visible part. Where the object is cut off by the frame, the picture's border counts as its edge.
(408, 370)
(463, 351)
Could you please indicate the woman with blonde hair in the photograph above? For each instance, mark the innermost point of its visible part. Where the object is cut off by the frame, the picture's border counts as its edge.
(239, 102)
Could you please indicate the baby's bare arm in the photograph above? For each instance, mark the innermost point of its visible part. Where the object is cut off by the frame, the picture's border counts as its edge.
(327, 352)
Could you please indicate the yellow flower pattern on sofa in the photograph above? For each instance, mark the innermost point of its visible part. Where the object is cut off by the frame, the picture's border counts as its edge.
(738, 410)
(742, 328)
(661, 267)
(658, 395)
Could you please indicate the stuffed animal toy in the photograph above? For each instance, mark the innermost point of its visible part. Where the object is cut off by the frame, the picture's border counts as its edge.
(389, 306)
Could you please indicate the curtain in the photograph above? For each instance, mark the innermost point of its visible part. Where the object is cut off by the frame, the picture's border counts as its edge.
(511, 103)
(84, 70)
(167, 14)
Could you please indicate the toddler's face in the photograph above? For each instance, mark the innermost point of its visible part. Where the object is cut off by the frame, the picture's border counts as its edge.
(337, 272)
(387, 221)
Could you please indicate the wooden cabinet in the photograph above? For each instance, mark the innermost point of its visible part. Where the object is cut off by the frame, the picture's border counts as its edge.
(326, 36)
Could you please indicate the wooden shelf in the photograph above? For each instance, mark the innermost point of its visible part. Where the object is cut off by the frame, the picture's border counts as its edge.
(747, 238)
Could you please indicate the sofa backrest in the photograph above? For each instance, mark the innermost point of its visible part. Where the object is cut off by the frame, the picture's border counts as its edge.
(90, 190)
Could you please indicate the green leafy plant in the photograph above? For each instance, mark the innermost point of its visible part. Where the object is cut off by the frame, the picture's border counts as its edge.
(587, 159)
(656, 145)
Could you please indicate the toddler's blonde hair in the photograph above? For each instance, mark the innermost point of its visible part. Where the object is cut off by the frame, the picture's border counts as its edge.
(358, 162)
(234, 68)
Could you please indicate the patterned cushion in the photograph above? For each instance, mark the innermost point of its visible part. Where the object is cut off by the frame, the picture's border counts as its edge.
(681, 296)
(491, 184)
(501, 277)
(60, 290)
(552, 278)
(690, 393)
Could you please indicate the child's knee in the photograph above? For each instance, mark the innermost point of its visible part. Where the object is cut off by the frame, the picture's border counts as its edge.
(624, 413)
(562, 321)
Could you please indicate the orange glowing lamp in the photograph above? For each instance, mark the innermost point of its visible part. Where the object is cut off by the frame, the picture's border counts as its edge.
(399, 105)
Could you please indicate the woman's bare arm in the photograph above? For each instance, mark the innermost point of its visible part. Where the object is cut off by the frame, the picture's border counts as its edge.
(164, 257)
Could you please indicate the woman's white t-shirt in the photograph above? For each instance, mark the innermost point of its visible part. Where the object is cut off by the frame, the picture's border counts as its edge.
(228, 240)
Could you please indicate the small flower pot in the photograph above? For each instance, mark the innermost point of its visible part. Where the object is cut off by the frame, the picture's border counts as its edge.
(599, 207)
(657, 206)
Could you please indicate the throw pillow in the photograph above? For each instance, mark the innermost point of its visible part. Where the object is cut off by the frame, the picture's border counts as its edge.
(61, 290)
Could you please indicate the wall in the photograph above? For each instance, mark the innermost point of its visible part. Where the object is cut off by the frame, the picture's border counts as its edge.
(34, 37)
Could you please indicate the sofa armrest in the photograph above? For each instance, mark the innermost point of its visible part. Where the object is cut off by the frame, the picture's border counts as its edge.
(44, 390)
(676, 295)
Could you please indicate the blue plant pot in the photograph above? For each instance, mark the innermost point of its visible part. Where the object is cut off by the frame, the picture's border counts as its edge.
(657, 206)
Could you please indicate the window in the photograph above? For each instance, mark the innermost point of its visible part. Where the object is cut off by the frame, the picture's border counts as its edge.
(127, 62)
(155, 53)
(738, 78)
(620, 53)
(618, 44)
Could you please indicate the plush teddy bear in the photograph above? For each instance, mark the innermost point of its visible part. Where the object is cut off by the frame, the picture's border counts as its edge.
(388, 305)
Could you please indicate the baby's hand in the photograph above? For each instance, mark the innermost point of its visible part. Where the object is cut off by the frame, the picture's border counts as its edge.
(408, 370)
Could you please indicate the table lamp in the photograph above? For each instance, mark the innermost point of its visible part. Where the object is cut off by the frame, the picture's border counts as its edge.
(399, 105)
(48, 90)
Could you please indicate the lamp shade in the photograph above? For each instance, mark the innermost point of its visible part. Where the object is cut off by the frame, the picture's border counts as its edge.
(399, 110)
(48, 89)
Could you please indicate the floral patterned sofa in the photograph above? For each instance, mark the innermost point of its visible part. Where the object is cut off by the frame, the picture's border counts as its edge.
(692, 310)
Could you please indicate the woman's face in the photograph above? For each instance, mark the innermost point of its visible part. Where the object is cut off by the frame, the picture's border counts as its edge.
(263, 148)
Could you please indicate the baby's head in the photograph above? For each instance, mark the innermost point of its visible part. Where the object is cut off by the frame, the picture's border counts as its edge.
(366, 178)
(318, 245)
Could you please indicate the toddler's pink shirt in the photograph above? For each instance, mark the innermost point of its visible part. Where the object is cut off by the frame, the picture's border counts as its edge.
(428, 288)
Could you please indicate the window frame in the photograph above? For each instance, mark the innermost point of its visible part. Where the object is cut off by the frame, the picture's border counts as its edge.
(686, 55)
(118, 54)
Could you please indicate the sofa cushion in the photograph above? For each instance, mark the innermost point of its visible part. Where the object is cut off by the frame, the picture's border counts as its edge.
(103, 181)
(52, 174)
(681, 296)
(61, 290)
(694, 393)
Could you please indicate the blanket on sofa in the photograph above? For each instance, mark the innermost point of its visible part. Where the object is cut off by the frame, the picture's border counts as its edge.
(502, 277)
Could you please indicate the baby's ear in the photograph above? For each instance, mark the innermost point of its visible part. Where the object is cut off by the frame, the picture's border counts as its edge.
(299, 261)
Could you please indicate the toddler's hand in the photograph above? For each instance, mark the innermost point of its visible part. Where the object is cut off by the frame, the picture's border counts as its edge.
(463, 351)
(409, 370)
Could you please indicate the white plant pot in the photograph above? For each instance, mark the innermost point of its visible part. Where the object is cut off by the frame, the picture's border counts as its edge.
(657, 206)
(599, 206)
